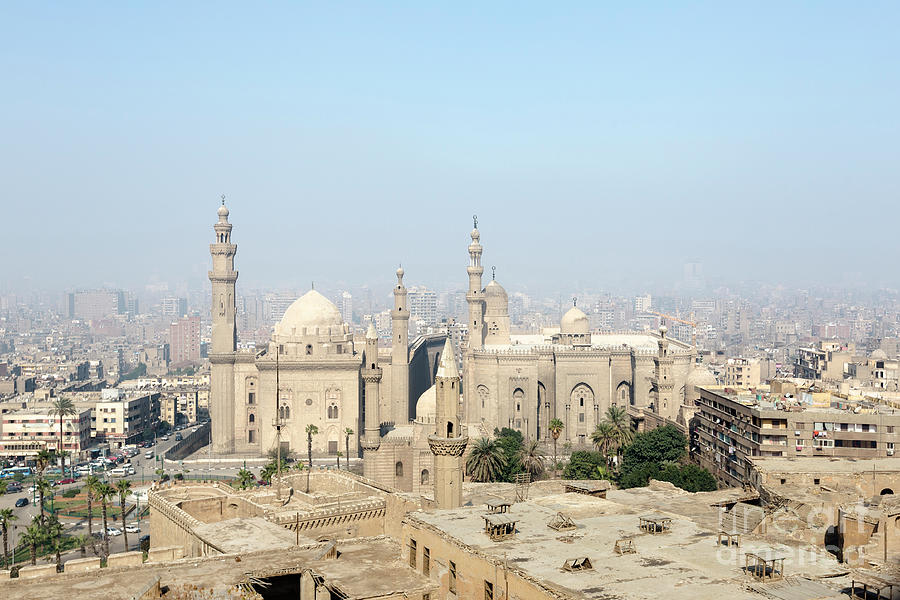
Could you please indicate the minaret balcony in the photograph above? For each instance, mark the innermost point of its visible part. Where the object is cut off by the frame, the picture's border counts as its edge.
(442, 446)
(370, 444)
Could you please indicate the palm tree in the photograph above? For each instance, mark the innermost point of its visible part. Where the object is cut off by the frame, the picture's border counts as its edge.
(617, 416)
(53, 532)
(104, 493)
(83, 541)
(7, 516)
(90, 488)
(43, 487)
(311, 430)
(63, 407)
(347, 433)
(532, 458)
(339, 454)
(62, 461)
(33, 536)
(555, 427)
(123, 487)
(245, 479)
(267, 472)
(43, 459)
(603, 436)
(486, 461)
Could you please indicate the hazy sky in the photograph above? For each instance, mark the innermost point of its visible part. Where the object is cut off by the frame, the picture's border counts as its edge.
(600, 144)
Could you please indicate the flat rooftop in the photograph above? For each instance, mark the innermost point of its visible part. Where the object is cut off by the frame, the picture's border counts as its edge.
(365, 568)
(685, 563)
(824, 464)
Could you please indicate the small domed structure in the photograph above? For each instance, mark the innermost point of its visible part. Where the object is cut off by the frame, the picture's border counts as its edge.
(426, 406)
(312, 311)
(699, 377)
(495, 295)
(574, 322)
(879, 355)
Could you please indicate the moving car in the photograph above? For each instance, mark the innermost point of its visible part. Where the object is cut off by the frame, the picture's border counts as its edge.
(21, 502)
(65, 481)
(132, 528)
(148, 454)
(13, 487)
(113, 531)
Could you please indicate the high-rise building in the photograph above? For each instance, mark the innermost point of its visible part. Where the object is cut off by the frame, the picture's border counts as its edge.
(94, 305)
(423, 304)
(347, 307)
(643, 303)
(184, 340)
(174, 307)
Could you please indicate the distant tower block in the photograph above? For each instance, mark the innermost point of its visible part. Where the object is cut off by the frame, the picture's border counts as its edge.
(400, 354)
(224, 334)
(447, 444)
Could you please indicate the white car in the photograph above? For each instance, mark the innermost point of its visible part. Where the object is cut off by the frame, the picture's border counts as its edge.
(132, 529)
(113, 531)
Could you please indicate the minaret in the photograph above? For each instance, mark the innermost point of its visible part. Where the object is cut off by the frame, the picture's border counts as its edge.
(447, 444)
(664, 382)
(400, 354)
(475, 294)
(371, 375)
(224, 335)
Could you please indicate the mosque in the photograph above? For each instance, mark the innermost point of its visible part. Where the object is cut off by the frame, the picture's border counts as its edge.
(402, 421)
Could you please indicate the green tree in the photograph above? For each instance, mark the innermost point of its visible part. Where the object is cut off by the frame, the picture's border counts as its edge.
(83, 541)
(90, 489)
(54, 530)
(245, 479)
(311, 430)
(62, 407)
(531, 458)
(104, 493)
(603, 436)
(7, 516)
(33, 537)
(623, 432)
(555, 428)
(347, 433)
(43, 488)
(43, 458)
(123, 487)
(486, 460)
(339, 454)
(654, 447)
(583, 465)
(510, 442)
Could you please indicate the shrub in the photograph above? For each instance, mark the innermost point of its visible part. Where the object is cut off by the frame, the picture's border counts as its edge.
(584, 465)
(70, 493)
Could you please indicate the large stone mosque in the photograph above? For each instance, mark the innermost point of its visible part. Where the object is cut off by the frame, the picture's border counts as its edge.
(403, 420)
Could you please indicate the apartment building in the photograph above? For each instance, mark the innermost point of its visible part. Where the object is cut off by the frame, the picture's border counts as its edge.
(730, 427)
(123, 420)
(826, 361)
(25, 432)
(179, 408)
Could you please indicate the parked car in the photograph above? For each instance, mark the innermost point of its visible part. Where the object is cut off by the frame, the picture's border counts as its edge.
(113, 531)
(148, 454)
(132, 528)
(178, 437)
(21, 502)
(66, 481)
(13, 487)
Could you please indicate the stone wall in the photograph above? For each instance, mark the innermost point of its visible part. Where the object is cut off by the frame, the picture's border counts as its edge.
(190, 444)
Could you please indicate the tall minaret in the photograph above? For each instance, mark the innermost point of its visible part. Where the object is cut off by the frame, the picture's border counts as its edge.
(400, 354)
(447, 444)
(224, 335)
(475, 294)
(371, 375)
(664, 383)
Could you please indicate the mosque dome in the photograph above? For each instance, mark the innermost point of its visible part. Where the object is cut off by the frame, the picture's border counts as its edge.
(879, 355)
(426, 406)
(223, 211)
(311, 310)
(700, 376)
(495, 296)
(574, 322)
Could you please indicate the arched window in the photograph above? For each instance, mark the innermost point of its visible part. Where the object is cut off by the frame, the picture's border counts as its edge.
(309, 349)
(285, 411)
(332, 411)
(423, 479)
(483, 394)
(518, 397)
(252, 418)
(398, 469)
(449, 429)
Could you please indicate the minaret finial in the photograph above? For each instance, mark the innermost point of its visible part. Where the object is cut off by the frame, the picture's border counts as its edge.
(312, 284)
(493, 273)
(574, 301)
(223, 199)
(475, 220)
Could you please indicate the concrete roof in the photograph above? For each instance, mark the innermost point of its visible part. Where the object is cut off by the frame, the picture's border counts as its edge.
(683, 564)
(247, 534)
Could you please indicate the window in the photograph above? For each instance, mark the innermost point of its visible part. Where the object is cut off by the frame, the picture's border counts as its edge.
(251, 437)
(251, 398)
(488, 590)
(398, 469)
(332, 411)
(412, 552)
(581, 417)
(424, 477)
(451, 584)
(816, 481)
(251, 418)
(426, 562)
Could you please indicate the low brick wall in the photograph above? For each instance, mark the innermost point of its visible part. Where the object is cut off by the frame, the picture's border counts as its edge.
(37, 571)
(165, 554)
(79, 565)
(125, 559)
